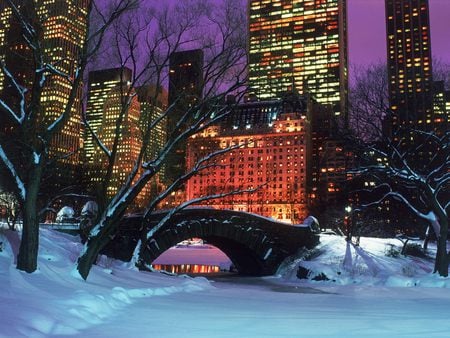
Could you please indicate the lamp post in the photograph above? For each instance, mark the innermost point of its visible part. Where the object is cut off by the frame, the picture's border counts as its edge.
(348, 222)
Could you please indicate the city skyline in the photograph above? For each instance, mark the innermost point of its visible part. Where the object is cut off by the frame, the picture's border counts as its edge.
(366, 21)
(274, 144)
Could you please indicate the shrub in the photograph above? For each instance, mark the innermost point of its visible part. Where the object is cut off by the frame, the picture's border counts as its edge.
(391, 251)
(414, 249)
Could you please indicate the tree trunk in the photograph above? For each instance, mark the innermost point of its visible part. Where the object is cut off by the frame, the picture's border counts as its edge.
(29, 244)
(85, 261)
(427, 239)
(442, 256)
(442, 259)
(95, 244)
(108, 225)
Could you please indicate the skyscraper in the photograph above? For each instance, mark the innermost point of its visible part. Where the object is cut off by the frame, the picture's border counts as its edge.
(109, 93)
(129, 143)
(63, 29)
(153, 101)
(441, 106)
(301, 43)
(185, 88)
(409, 62)
(100, 85)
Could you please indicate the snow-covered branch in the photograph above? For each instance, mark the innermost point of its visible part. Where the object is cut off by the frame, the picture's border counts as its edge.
(51, 69)
(15, 175)
(198, 200)
(20, 90)
(94, 135)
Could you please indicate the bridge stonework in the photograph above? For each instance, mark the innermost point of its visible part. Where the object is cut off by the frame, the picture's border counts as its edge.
(256, 245)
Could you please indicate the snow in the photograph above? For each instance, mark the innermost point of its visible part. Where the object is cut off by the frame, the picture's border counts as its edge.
(267, 253)
(64, 213)
(36, 157)
(374, 296)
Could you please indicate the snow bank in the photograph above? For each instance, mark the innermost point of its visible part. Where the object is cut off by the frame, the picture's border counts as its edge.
(371, 295)
(375, 262)
(52, 302)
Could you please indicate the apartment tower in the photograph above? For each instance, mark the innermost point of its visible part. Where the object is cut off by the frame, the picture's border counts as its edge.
(185, 89)
(100, 85)
(301, 44)
(409, 63)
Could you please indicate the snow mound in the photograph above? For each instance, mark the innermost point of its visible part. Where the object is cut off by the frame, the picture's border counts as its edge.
(51, 301)
(373, 262)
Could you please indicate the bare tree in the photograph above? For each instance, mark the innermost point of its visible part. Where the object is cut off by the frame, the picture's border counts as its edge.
(368, 99)
(441, 71)
(145, 44)
(29, 125)
(369, 96)
(408, 166)
(415, 174)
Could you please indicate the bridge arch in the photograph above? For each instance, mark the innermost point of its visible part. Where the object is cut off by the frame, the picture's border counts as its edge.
(256, 245)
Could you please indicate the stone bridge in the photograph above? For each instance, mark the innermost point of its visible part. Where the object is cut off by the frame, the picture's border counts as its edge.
(256, 245)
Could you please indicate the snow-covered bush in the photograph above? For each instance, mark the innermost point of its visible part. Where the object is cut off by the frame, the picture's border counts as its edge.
(89, 210)
(66, 214)
(391, 251)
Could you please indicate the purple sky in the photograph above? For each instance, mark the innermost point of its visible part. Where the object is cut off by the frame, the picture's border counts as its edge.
(367, 31)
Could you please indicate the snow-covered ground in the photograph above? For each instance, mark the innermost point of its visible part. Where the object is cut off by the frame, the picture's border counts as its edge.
(369, 295)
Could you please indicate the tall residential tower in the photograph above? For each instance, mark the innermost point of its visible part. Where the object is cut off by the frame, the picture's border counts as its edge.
(301, 43)
(409, 62)
(185, 89)
(100, 85)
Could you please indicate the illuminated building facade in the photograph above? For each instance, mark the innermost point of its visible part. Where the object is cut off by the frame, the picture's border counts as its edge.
(273, 157)
(409, 63)
(330, 160)
(129, 146)
(100, 85)
(185, 88)
(153, 105)
(63, 34)
(301, 43)
(441, 106)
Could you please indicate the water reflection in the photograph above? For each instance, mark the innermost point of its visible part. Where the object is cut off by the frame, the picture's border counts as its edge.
(193, 256)
(188, 268)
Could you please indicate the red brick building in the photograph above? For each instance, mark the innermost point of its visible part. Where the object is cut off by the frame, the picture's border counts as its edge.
(272, 157)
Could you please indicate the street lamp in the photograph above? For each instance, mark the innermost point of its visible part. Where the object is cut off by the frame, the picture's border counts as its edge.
(348, 221)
